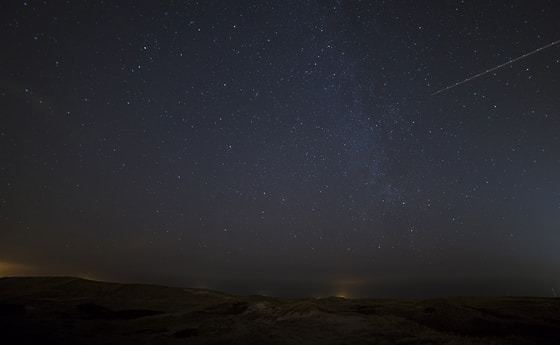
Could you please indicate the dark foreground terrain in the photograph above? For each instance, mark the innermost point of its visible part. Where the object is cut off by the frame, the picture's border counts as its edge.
(78, 311)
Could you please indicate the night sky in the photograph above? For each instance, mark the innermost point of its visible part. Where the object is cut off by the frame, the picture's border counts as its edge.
(290, 148)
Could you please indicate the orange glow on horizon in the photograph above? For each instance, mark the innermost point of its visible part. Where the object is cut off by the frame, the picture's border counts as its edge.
(15, 269)
(347, 288)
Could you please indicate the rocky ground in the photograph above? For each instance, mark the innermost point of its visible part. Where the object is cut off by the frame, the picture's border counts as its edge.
(54, 310)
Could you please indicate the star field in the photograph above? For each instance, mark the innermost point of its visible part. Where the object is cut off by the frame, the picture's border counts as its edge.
(293, 148)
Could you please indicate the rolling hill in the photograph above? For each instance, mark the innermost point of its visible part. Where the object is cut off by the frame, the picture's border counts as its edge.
(69, 310)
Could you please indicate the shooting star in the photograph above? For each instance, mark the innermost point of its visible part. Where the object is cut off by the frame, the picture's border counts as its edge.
(497, 67)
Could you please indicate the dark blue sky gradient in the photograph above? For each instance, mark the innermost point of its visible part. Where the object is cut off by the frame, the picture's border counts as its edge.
(283, 147)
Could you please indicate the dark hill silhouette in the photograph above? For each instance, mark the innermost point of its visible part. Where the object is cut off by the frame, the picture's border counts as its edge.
(69, 310)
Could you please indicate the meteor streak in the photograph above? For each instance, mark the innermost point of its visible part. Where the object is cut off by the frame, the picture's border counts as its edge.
(497, 67)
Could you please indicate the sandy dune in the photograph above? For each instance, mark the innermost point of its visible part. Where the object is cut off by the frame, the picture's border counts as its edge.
(43, 310)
